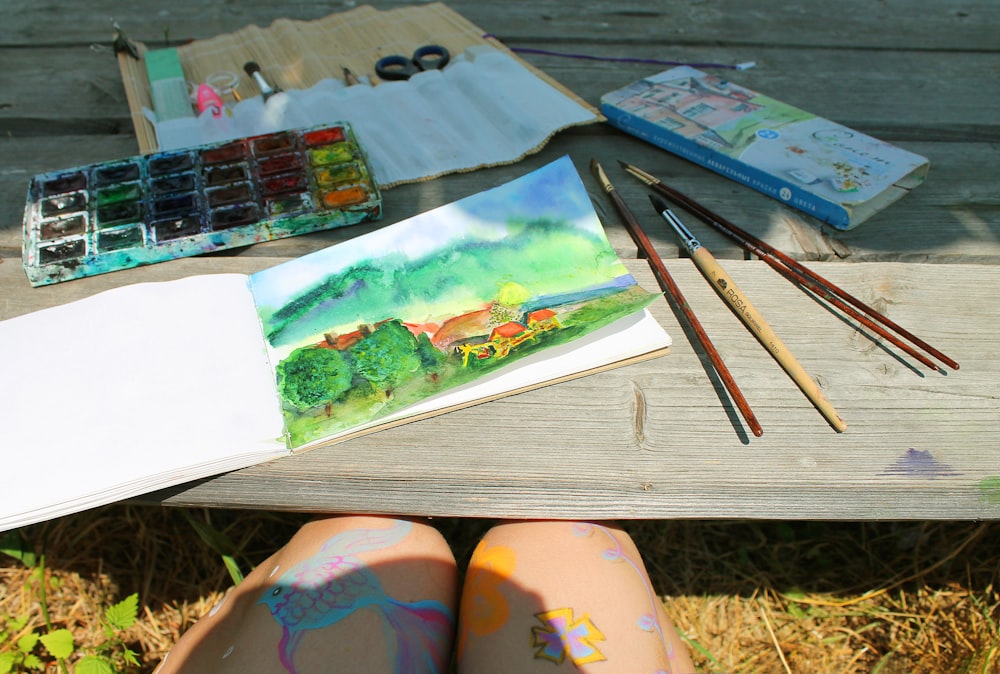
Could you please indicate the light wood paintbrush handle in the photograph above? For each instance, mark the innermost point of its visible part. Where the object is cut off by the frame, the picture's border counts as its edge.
(734, 297)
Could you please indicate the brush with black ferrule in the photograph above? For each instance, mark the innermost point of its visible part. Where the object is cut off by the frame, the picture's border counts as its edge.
(741, 306)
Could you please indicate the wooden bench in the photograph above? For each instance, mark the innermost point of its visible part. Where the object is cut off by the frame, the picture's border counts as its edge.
(659, 439)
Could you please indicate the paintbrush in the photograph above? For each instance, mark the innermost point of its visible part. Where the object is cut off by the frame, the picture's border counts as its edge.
(741, 306)
(266, 90)
(799, 273)
(674, 293)
(123, 45)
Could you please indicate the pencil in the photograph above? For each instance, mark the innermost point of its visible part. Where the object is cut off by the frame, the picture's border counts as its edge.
(737, 300)
(349, 77)
(674, 292)
(813, 281)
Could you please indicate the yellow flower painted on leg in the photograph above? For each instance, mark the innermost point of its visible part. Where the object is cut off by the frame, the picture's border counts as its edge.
(563, 636)
(484, 608)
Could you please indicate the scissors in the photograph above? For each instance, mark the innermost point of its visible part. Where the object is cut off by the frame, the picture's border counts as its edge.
(396, 67)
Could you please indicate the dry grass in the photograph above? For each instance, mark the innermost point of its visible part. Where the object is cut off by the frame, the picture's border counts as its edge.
(748, 596)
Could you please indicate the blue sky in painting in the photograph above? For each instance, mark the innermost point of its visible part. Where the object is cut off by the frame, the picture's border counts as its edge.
(554, 191)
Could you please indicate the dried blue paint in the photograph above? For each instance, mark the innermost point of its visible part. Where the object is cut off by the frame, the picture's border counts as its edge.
(920, 463)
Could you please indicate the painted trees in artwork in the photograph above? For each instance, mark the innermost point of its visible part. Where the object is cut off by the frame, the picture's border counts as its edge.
(387, 356)
(383, 358)
(431, 358)
(310, 377)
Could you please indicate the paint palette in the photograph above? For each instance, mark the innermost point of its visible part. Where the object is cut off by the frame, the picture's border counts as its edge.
(145, 209)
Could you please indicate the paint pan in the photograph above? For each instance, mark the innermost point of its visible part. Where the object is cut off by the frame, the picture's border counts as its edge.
(141, 210)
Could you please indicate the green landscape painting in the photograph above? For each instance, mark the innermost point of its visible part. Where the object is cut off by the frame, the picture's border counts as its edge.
(371, 326)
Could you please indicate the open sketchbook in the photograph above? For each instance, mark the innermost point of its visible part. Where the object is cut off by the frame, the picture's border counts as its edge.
(152, 385)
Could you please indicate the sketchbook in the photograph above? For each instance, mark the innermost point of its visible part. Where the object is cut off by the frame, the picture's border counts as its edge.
(151, 385)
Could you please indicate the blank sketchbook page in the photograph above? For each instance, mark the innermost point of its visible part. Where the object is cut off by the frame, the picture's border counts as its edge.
(130, 390)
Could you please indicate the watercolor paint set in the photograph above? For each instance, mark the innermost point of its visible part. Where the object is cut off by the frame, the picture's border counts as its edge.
(151, 208)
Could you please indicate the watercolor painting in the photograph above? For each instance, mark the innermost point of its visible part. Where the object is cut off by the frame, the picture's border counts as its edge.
(370, 326)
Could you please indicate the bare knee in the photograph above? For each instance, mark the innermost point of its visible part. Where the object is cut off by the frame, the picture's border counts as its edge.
(543, 592)
(366, 591)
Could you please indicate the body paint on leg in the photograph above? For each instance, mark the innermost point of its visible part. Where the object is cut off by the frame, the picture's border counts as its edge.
(563, 636)
(484, 609)
(648, 622)
(334, 583)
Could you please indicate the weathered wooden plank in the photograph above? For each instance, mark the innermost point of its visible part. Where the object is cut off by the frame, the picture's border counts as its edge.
(660, 439)
(910, 96)
(851, 23)
(655, 440)
(953, 217)
(66, 90)
(854, 24)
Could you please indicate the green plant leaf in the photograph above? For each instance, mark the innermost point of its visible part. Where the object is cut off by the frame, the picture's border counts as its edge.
(26, 643)
(7, 661)
(797, 611)
(234, 569)
(17, 624)
(33, 662)
(59, 643)
(94, 665)
(130, 657)
(219, 542)
(13, 545)
(122, 615)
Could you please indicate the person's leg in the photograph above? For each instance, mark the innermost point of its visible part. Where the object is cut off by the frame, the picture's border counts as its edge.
(370, 594)
(538, 593)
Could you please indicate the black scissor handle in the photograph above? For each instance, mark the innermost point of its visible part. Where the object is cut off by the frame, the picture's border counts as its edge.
(431, 57)
(396, 67)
